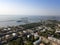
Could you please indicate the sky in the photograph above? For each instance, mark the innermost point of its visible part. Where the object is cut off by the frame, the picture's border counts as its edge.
(30, 7)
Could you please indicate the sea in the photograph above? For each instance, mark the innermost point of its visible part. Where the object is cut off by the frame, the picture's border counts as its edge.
(14, 20)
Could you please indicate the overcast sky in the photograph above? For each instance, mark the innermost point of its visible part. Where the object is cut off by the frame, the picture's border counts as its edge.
(29, 7)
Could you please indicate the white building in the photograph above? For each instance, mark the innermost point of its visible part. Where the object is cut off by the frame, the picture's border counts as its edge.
(37, 42)
(13, 34)
(57, 31)
(7, 36)
(4, 29)
(9, 28)
(24, 31)
(43, 30)
(39, 27)
(28, 36)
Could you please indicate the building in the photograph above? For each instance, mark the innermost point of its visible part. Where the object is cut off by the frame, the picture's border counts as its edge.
(37, 42)
(42, 44)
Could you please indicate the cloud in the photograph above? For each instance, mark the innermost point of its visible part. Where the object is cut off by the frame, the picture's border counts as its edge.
(18, 11)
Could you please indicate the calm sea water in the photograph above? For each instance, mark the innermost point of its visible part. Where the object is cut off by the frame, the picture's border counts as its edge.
(11, 20)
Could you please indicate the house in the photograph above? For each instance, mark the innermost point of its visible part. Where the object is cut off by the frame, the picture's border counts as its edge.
(42, 44)
(39, 27)
(44, 39)
(43, 30)
(28, 36)
(36, 35)
(8, 28)
(58, 25)
(7, 36)
(54, 39)
(57, 31)
(24, 31)
(13, 34)
(4, 29)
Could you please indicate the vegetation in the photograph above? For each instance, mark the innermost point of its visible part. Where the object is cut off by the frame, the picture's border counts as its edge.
(31, 39)
(32, 25)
